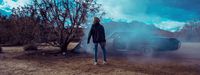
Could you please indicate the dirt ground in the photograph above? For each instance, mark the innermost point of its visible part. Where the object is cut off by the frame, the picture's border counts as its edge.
(14, 61)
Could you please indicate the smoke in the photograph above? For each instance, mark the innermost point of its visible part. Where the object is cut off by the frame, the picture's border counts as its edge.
(138, 31)
(89, 48)
(168, 15)
(188, 51)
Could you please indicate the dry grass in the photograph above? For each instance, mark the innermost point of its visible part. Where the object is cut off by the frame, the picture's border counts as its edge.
(16, 62)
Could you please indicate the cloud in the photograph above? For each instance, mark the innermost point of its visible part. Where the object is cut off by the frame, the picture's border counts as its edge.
(134, 9)
(192, 5)
(170, 25)
(147, 11)
(7, 5)
(172, 12)
(124, 9)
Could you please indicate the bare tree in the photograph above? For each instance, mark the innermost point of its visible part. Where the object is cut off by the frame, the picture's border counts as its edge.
(21, 27)
(26, 24)
(57, 22)
(65, 18)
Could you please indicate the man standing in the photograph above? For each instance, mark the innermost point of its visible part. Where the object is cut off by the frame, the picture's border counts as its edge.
(97, 33)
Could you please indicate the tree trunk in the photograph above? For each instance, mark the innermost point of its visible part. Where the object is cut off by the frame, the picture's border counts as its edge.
(64, 47)
(0, 49)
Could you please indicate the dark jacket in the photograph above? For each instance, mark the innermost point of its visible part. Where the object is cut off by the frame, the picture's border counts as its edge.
(98, 33)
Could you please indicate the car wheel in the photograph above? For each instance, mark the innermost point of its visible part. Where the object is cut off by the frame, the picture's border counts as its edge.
(179, 45)
(148, 51)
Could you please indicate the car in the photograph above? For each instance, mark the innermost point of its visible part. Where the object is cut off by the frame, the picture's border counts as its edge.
(146, 43)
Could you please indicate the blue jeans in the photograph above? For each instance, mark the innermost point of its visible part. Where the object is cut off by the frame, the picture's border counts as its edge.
(102, 44)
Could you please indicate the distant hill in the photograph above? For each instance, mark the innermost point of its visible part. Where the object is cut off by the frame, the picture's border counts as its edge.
(191, 32)
(136, 27)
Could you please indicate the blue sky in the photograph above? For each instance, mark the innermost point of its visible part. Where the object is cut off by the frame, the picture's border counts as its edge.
(165, 14)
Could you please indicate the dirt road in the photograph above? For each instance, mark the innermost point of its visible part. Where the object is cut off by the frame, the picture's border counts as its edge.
(185, 61)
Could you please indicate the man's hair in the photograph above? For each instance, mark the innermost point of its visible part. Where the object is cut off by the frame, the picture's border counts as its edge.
(96, 20)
